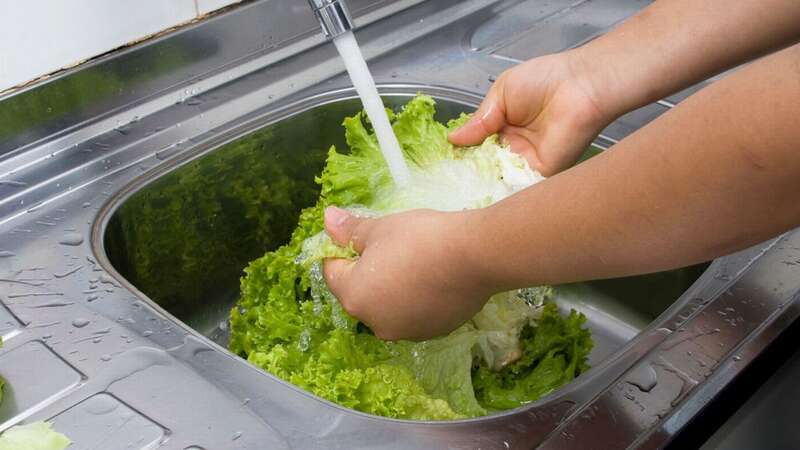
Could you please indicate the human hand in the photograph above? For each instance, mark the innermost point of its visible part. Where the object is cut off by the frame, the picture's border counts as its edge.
(412, 280)
(548, 109)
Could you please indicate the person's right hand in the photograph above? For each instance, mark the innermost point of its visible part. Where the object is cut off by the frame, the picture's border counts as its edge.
(547, 109)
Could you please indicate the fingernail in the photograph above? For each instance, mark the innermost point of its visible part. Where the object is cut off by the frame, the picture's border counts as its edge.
(335, 215)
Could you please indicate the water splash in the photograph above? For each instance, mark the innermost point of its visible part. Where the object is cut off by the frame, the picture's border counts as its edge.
(325, 301)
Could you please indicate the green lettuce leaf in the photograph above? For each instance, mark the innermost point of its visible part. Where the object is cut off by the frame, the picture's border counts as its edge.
(288, 322)
(555, 352)
(33, 436)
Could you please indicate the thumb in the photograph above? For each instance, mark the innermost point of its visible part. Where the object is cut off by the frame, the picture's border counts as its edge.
(341, 227)
(486, 121)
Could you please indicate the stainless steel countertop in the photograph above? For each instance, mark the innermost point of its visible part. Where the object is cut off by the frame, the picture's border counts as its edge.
(111, 369)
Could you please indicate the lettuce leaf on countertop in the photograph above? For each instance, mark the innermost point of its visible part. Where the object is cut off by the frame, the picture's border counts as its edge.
(33, 436)
(517, 349)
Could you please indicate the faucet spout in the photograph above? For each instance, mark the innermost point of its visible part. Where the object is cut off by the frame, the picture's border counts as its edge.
(333, 16)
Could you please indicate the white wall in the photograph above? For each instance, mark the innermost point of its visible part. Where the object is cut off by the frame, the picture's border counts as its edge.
(38, 37)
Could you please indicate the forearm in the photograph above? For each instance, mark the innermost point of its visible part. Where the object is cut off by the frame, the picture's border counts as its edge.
(718, 173)
(673, 44)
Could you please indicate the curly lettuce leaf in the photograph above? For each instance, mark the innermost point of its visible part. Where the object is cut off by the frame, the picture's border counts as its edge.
(556, 350)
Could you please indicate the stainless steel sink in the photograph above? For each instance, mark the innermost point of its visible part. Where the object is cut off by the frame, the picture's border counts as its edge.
(127, 215)
(184, 237)
(181, 236)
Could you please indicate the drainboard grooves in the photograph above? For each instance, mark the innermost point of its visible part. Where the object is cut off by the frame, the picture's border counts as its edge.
(104, 422)
(35, 377)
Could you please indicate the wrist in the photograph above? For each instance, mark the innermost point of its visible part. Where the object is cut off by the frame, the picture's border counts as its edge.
(598, 78)
(475, 254)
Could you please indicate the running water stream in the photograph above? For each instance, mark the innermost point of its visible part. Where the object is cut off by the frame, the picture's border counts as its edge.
(365, 87)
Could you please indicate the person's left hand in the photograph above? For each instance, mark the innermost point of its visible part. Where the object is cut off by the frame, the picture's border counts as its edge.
(413, 279)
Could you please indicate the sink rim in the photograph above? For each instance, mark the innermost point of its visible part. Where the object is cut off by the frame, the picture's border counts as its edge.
(584, 387)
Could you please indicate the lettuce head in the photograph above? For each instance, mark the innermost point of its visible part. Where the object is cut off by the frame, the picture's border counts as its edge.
(518, 348)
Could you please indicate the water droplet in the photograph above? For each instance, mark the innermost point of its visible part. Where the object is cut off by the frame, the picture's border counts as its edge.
(72, 239)
(67, 273)
(101, 404)
(105, 358)
(107, 279)
(644, 377)
(305, 341)
(147, 333)
(35, 207)
(737, 358)
(13, 183)
(236, 435)
(80, 322)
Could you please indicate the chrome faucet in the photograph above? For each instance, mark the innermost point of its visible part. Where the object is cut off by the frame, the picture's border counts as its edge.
(334, 18)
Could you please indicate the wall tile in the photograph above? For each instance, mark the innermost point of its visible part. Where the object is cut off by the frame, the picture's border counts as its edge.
(207, 6)
(38, 37)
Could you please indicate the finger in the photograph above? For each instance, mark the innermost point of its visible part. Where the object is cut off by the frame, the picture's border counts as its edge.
(548, 152)
(338, 274)
(487, 120)
(559, 149)
(345, 229)
(522, 142)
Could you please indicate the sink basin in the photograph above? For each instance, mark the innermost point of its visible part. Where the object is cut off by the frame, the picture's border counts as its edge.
(183, 237)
